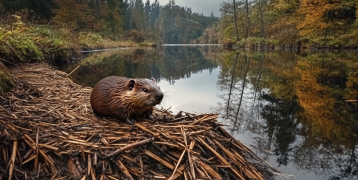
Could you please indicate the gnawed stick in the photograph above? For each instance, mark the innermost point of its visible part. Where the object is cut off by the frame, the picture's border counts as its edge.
(208, 168)
(72, 168)
(146, 130)
(73, 70)
(192, 170)
(124, 169)
(141, 167)
(93, 176)
(12, 160)
(206, 118)
(131, 146)
(29, 159)
(247, 171)
(54, 175)
(182, 155)
(89, 165)
(213, 151)
(165, 163)
(178, 163)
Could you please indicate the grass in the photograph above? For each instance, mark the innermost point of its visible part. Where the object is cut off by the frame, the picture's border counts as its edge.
(24, 43)
(94, 41)
(5, 80)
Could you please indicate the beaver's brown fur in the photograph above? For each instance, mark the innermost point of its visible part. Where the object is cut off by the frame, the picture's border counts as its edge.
(125, 98)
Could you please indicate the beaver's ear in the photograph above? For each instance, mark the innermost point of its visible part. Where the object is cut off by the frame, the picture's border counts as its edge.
(154, 80)
(131, 84)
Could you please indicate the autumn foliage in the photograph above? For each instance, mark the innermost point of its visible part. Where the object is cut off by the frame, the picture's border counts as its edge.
(317, 23)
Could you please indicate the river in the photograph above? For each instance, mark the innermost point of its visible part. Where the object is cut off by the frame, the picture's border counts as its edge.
(297, 111)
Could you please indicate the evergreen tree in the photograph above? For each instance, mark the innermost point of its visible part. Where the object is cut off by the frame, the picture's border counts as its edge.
(41, 8)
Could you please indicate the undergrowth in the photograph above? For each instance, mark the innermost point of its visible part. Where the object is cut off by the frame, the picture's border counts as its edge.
(5, 80)
(20, 42)
(89, 40)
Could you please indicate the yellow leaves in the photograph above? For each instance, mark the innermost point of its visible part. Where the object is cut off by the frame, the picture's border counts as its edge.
(320, 15)
(318, 100)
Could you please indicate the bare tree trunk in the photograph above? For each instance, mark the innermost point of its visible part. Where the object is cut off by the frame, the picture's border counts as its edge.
(242, 91)
(261, 11)
(231, 84)
(98, 10)
(235, 21)
(248, 33)
(258, 81)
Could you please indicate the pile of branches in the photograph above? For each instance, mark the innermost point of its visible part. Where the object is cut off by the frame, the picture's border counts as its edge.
(48, 131)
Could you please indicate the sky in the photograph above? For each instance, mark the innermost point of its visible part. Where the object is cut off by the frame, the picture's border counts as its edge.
(199, 6)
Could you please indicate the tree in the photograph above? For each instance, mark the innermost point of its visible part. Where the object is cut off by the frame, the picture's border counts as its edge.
(235, 21)
(326, 16)
(154, 12)
(41, 8)
(72, 14)
(248, 30)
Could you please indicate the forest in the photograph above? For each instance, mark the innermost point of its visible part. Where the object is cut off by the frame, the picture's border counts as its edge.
(117, 19)
(286, 23)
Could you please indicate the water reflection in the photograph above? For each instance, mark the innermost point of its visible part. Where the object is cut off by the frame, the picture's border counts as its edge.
(291, 107)
(169, 64)
(295, 105)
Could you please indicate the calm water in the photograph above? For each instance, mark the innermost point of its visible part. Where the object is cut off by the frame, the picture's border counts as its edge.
(291, 109)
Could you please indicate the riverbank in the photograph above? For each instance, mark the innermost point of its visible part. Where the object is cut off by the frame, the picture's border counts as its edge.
(48, 131)
(26, 42)
(255, 43)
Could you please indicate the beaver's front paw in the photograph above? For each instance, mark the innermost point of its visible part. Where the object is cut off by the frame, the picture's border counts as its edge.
(130, 121)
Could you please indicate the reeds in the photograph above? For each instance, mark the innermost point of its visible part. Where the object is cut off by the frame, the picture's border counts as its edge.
(48, 131)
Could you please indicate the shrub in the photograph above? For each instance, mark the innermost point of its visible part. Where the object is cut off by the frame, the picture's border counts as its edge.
(136, 36)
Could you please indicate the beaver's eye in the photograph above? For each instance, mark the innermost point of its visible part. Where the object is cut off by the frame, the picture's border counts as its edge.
(145, 90)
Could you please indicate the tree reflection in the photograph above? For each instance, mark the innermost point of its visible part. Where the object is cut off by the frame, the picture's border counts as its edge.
(160, 63)
(295, 104)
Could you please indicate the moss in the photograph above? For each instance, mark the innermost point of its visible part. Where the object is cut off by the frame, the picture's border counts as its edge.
(5, 80)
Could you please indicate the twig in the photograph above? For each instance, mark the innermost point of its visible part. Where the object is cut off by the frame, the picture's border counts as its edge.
(73, 70)
(12, 160)
(131, 146)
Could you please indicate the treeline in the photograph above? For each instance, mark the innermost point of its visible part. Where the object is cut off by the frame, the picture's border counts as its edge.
(168, 64)
(289, 23)
(118, 19)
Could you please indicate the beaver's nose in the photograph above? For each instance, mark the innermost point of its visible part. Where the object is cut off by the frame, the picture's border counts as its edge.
(159, 97)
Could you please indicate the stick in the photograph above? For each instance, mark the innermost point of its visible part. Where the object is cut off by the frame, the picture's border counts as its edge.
(89, 166)
(12, 160)
(213, 151)
(73, 71)
(124, 169)
(141, 167)
(131, 146)
(146, 130)
(178, 163)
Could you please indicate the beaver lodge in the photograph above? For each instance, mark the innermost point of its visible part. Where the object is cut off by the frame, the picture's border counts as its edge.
(48, 131)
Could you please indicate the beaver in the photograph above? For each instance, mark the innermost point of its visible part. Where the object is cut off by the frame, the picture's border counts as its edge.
(125, 98)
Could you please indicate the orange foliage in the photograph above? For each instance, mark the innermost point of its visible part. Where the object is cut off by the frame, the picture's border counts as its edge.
(320, 15)
(317, 101)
